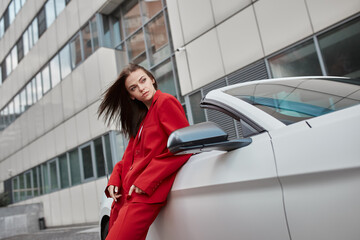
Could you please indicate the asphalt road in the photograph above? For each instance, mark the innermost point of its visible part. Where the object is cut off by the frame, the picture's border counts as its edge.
(88, 232)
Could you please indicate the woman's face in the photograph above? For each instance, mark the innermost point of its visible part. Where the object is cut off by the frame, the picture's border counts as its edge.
(140, 86)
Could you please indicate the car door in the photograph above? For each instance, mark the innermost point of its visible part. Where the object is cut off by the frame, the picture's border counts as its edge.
(225, 195)
(319, 167)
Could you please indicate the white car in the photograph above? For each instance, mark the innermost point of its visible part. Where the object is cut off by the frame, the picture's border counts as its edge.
(293, 174)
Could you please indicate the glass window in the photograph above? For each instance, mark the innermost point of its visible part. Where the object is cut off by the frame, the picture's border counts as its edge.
(28, 184)
(34, 33)
(53, 175)
(301, 60)
(5, 116)
(108, 154)
(165, 78)
(86, 157)
(8, 65)
(3, 71)
(64, 171)
(20, 49)
(40, 181)
(35, 181)
(41, 20)
(340, 49)
(132, 18)
(23, 99)
(45, 74)
(65, 61)
(14, 57)
(136, 49)
(106, 31)
(15, 187)
(22, 187)
(11, 112)
(198, 113)
(99, 157)
(45, 178)
(150, 8)
(29, 94)
(2, 120)
(159, 43)
(17, 104)
(74, 167)
(23, 2)
(55, 71)
(117, 32)
(75, 50)
(6, 19)
(120, 145)
(2, 27)
(86, 36)
(30, 35)
(11, 10)
(94, 33)
(26, 42)
(50, 12)
(39, 88)
(59, 5)
(17, 6)
(34, 90)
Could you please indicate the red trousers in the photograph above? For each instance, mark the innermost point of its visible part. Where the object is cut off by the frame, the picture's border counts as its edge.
(133, 220)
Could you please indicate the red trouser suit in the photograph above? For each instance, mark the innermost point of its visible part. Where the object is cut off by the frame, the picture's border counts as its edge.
(147, 164)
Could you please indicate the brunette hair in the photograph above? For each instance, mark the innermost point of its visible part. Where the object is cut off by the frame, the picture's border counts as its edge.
(117, 106)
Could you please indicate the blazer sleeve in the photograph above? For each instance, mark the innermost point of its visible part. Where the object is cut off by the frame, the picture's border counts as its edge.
(115, 177)
(171, 117)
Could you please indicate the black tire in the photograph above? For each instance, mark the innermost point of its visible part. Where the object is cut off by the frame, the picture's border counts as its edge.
(105, 229)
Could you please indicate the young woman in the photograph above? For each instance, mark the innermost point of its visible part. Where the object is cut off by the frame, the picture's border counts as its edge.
(141, 181)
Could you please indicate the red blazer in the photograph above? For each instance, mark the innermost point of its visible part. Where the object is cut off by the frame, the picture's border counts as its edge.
(147, 163)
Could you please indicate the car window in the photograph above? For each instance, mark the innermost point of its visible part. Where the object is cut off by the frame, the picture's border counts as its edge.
(234, 128)
(294, 100)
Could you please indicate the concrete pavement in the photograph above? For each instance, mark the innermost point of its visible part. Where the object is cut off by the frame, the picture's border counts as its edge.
(83, 232)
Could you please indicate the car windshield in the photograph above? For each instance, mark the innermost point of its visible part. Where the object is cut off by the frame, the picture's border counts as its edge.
(293, 100)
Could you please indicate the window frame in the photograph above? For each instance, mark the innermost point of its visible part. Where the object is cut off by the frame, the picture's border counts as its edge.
(92, 153)
(26, 184)
(55, 160)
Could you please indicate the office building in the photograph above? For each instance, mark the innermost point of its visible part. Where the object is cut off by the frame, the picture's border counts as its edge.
(58, 56)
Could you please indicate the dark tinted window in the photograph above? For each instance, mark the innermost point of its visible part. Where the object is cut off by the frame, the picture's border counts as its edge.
(41, 21)
(20, 49)
(6, 19)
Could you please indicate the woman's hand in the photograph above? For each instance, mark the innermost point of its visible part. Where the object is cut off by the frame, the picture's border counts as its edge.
(114, 192)
(136, 189)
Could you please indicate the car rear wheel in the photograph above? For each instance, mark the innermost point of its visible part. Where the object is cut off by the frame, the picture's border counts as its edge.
(104, 228)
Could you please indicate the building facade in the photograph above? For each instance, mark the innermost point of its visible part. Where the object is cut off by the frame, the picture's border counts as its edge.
(58, 56)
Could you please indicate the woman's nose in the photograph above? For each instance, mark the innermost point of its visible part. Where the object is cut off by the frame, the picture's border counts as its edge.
(141, 88)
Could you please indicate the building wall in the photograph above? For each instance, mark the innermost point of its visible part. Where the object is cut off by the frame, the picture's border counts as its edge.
(62, 119)
(75, 205)
(229, 35)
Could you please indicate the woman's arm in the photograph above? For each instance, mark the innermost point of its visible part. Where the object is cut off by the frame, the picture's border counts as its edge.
(114, 184)
(113, 187)
(171, 117)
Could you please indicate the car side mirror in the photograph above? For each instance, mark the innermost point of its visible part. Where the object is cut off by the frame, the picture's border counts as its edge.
(203, 137)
